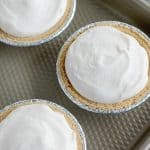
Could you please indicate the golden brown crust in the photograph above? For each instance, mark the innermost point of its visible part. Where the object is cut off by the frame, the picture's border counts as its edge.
(95, 105)
(45, 35)
(69, 119)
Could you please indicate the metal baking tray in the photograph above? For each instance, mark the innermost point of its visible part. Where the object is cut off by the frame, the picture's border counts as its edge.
(27, 73)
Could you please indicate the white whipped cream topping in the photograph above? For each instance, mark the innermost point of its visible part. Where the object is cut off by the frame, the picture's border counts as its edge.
(36, 127)
(106, 65)
(30, 17)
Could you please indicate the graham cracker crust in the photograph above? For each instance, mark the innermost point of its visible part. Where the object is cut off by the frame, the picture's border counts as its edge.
(54, 29)
(68, 118)
(96, 105)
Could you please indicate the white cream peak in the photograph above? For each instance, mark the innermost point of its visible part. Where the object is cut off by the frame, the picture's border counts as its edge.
(30, 17)
(36, 127)
(107, 65)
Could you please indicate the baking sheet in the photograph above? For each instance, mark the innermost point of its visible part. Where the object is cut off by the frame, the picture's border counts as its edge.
(27, 73)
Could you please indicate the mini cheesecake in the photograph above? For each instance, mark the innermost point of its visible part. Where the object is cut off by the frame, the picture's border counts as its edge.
(104, 67)
(41, 125)
(23, 29)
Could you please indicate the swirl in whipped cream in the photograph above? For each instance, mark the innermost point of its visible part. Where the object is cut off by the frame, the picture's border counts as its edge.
(36, 127)
(106, 65)
(30, 17)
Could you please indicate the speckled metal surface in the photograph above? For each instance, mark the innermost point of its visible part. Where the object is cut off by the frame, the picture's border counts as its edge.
(27, 73)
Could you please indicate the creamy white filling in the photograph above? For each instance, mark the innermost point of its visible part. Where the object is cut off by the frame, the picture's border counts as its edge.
(30, 17)
(106, 65)
(36, 127)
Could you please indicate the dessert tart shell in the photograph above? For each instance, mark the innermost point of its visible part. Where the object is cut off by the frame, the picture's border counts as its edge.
(88, 104)
(74, 124)
(57, 29)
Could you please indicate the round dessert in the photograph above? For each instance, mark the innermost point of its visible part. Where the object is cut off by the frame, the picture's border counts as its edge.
(104, 67)
(38, 124)
(32, 22)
